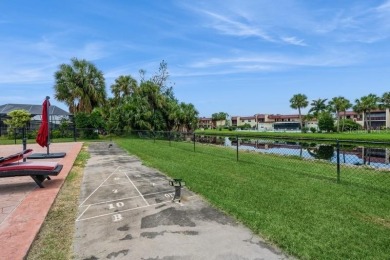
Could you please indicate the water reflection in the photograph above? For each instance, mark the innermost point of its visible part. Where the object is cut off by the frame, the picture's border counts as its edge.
(349, 154)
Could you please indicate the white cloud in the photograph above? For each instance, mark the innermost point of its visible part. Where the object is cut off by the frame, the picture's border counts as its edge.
(294, 41)
(250, 62)
(229, 26)
(385, 7)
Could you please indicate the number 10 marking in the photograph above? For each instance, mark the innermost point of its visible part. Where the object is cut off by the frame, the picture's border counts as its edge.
(116, 205)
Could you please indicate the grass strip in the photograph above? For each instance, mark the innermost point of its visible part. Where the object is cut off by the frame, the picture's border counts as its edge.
(55, 238)
(295, 204)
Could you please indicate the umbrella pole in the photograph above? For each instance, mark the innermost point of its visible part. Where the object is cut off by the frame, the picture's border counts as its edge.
(48, 124)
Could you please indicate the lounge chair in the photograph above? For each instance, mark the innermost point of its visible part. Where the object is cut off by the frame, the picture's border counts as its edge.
(15, 157)
(38, 171)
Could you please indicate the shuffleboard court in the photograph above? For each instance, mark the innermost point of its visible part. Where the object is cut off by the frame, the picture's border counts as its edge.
(127, 212)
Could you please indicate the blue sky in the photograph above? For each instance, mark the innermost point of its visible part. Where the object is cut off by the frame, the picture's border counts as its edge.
(241, 57)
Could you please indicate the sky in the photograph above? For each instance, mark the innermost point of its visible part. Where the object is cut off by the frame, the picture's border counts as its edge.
(240, 57)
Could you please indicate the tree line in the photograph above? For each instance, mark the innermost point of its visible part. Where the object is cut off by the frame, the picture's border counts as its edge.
(149, 104)
(339, 105)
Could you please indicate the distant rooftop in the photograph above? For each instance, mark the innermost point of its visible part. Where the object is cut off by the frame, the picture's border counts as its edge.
(32, 109)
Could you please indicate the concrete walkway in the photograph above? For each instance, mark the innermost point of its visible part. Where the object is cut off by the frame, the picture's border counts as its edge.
(24, 205)
(126, 212)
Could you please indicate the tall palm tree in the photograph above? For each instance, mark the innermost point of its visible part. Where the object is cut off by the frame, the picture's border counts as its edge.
(80, 85)
(360, 109)
(123, 86)
(385, 100)
(318, 106)
(365, 105)
(371, 101)
(189, 116)
(338, 105)
(346, 104)
(299, 101)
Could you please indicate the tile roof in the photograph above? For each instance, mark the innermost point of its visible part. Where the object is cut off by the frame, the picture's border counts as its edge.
(32, 109)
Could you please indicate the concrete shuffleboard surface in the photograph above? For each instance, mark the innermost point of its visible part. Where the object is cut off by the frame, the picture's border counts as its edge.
(126, 212)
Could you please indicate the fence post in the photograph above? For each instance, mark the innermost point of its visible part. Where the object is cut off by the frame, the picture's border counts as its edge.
(74, 132)
(24, 141)
(15, 134)
(338, 160)
(194, 141)
(237, 147)
(169, 136)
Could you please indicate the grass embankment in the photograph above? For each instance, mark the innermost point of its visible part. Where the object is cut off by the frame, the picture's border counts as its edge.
(55, 238)
(350, 136)
(282, 199)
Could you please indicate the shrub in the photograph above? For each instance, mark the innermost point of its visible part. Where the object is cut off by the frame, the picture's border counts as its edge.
(350, 125)
(313, 129)
(326, 122)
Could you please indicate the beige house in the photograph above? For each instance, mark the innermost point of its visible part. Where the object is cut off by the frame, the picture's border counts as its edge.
(379, 118)
(208, 123)
(264, 122)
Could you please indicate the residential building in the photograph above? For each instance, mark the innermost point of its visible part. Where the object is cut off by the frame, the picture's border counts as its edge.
(264, 122)
(378, 118)
(209, 123)
(56, 114)
(205, 123)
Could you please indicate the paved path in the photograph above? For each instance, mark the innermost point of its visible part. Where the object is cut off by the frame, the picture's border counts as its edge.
(126, 212)
(24, 205)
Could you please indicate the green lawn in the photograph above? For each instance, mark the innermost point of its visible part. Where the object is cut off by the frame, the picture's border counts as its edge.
(382, 136)
(295, 204)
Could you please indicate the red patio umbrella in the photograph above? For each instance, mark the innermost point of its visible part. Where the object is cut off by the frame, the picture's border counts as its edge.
(43, 132)
(43, 137)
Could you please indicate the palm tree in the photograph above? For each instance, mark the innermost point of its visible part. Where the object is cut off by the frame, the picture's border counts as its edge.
(299, 101)
(80, 85)
(189, 116)
(360, 109)
(123, 86)
(318, 106)
(346, 104)
(337, 105)
(365, 105)
(371, 101)
(385, 100)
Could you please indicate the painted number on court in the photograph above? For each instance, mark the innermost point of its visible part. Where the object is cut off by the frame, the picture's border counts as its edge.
(169, 195)
(116, 205)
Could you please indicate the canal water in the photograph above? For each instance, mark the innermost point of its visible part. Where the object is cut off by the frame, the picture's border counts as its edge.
(378, 157)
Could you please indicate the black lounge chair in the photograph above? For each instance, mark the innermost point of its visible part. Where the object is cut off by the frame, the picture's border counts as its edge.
(38, 171)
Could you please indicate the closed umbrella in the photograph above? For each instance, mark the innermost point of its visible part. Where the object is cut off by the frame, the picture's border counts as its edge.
(43, 137)
(43, 132)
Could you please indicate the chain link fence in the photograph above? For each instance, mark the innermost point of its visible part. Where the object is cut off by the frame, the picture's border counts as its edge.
(363, 164)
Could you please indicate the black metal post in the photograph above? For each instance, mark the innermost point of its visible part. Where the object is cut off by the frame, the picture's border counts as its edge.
(74, 133)
(338, 160)
(24, 141)
(169, 136)
(74, 127)
(194, 141)
(48, 124)
(15, 134)
(237, 147)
